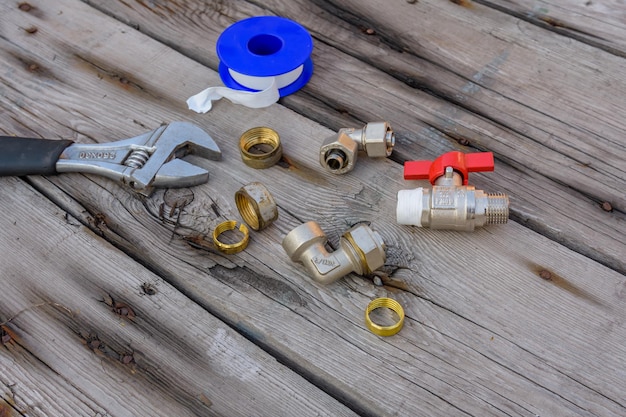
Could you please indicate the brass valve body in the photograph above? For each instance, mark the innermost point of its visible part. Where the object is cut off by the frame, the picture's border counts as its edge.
(451, 205)
(338, 153)
(361, 251)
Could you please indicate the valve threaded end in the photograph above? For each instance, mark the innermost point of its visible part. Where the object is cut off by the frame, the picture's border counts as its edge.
(497, 211)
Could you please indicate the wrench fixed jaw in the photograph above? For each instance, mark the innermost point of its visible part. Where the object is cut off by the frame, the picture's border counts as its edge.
(146, 161)
(190, 138)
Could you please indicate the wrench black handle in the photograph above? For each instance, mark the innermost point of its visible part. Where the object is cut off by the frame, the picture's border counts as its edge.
(25, 156)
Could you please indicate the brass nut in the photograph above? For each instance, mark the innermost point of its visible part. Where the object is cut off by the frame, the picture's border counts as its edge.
(260, 136)
(256, 205)
(379, 139)
(231, 248)
(369, 247)
(338, 153)
(384, 330)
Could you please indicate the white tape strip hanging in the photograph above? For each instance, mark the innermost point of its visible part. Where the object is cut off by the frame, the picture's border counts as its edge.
(267, 94)
(261, 59)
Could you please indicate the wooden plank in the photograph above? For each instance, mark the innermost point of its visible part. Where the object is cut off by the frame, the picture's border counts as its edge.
(484, 334)
(452, 347)
(531, 140)
(80, 316)
(510, 75)
(23, 392)
(598, 23)
(510, 62)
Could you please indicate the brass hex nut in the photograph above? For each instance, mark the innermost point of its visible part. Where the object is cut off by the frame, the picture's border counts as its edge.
(378, 139)
(368, 245)
(256, 205)
(338, 153)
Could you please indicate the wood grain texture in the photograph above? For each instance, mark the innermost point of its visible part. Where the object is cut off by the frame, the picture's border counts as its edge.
(80, 316)
(514, 60)
(542, 160)
(598, 23)
(499, 322)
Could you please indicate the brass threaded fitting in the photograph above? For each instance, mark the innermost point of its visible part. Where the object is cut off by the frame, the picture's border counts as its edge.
(386, 303)
(497, 211)
(256, 205)
(260, 136)
(338, 153)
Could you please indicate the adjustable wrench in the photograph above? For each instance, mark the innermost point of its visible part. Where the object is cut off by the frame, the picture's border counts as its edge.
(143, 162)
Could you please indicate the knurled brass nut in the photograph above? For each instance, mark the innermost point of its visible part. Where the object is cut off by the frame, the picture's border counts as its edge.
(260, 147)
(256, 205)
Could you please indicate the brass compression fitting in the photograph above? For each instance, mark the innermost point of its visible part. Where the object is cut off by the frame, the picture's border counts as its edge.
(338, 153)
(361, 250)
(450, 203)
(260, 147)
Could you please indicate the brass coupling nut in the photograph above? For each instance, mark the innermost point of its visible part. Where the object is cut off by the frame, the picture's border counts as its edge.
(231, 248)
(256, 205)
(260, 147)
(386, 303)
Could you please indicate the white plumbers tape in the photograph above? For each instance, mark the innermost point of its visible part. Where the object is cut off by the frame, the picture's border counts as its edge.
(201, 102)
(262, 83)
(409, 208)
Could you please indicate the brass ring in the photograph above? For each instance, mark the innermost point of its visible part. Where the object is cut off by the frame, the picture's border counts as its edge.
(227, 248)
(256, 205)
(260, 136)
(384, 330)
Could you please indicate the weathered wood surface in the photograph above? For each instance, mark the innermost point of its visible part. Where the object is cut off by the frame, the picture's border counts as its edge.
(598, 23)
(89, 339)
(485, 335)
(518, 94)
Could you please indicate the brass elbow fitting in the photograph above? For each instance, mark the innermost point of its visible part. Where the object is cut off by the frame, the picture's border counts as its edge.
(450, 204)
(338, 153)
(361, 251)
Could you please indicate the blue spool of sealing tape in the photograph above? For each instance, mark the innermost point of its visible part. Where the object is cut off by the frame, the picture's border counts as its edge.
(256, 48)
(261, 59)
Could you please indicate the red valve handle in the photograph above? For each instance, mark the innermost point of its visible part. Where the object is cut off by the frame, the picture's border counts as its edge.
(460, 162)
